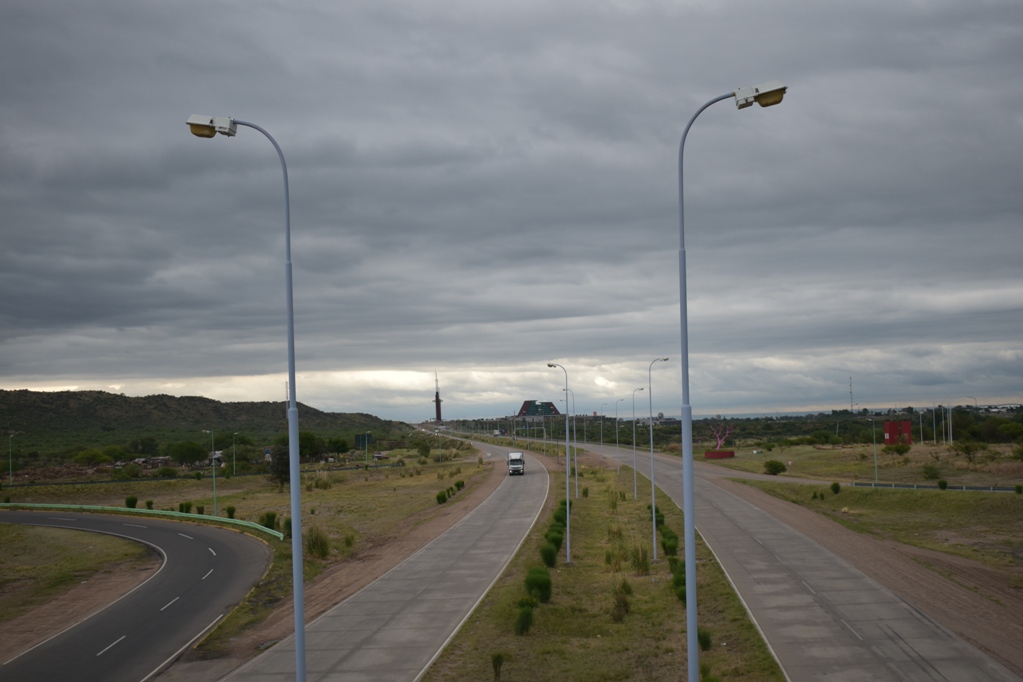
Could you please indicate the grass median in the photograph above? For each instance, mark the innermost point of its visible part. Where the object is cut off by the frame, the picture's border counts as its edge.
(611, 615)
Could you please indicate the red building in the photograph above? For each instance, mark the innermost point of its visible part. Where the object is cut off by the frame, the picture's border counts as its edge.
(898, 432)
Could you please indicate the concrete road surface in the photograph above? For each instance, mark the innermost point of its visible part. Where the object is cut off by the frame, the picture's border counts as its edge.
(823, 618)
(394, 628)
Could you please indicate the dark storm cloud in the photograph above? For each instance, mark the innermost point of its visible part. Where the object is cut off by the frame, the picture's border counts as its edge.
(479, 188)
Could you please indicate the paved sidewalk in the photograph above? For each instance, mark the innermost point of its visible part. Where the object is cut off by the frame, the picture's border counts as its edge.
(394, 628)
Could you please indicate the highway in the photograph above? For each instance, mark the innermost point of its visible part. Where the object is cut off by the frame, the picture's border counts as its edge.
(823, 618)
(205, 573)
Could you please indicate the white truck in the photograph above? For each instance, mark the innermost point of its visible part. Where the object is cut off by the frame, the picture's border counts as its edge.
(516, 464)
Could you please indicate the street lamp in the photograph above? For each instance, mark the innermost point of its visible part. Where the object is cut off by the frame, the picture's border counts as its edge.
(568, 503)
(209, 126)
(873, 433)
(635, 488)
(575, 454)
(765, 95)
(213, 465)
(602, 406)
(653, 500)
(618, 460)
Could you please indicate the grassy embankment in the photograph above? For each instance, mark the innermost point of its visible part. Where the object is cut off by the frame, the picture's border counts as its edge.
(576, 635)
(986, 527)
(38, 563)
(924, 464)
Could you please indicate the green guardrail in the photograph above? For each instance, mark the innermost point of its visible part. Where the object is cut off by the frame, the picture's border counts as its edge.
(251, 525)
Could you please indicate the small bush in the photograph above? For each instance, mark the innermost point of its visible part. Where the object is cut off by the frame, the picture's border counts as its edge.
(538, 584)
(166, 472)
(198, 475)
(459, 485)
(442, 497)
(268, 519)
(703, 637)
(317, 542)
(286, 526)
(774, 467)
(549, 554)
(942, 484)
(200, 509)
(555, 536)
(149, 504)
(230, 512)
(640, 560)
(658, 516)
(349, 540)
(930, 471)
(621, 590)
(1019, 489)
(586, 491)
(560, 516)
(524, 620)
(185, 507)
(497, 659)
(836, 488)
(896, 449)
(669, 541)
(131, 501)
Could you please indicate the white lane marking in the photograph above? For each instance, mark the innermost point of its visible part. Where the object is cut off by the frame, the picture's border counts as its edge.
(211, 551)
(807, 587)
(61, 518)
(187, 537)
(110, 647)
(207, 574)
(134, 525)
(851, 629)
(171, 602)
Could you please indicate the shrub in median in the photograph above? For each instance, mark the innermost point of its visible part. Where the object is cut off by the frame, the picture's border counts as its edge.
(836, 488)
(149, 504)
(942, 484)
(774, 467)
(230, 512)
(669, 541)
(524, 620)
(442, 497)
(549, 554)
(268, 519)
(538, 584)
(131, 501)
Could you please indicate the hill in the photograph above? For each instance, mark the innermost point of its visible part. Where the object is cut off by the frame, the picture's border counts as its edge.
(58, 423)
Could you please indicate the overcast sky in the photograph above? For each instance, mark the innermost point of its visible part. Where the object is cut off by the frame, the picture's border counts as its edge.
(480, 188)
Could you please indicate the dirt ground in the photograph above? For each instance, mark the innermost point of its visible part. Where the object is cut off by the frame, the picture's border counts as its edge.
(975, 601)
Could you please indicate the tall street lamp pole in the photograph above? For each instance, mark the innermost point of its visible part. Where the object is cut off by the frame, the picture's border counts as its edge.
(568, 505)
(209, 126)
(575, 441)
(873, 433)
(635, 484)
(213, 466)
(765, 95)
(618, 458)
(602, 406)
(653, 499)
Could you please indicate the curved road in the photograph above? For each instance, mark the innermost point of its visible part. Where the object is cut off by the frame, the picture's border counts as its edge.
(206, 572)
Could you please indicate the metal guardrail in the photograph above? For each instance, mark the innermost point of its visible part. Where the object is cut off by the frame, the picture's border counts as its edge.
(918, 486)
(129, 511)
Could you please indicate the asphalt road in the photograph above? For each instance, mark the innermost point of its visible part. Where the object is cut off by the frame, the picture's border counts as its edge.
(206, 571)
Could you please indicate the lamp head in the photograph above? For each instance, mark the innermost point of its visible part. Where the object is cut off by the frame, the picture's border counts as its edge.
(766, 94)
(551, 364)
(664, 359)
(208, 126)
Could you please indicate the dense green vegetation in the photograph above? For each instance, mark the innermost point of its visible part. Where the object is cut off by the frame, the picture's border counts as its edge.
(92, 428)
